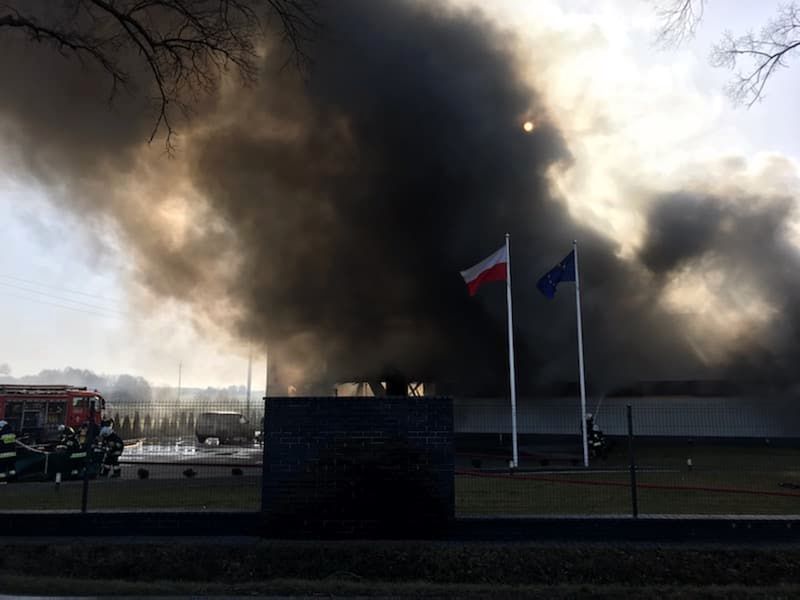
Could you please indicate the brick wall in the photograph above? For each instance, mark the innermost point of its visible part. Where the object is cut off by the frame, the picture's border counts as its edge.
(358, 467)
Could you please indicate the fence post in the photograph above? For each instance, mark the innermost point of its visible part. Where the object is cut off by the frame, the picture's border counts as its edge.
(632, 460)
(265, 470)
(89, 443)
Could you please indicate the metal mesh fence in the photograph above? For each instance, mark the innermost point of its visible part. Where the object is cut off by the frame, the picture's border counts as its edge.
(693, 457)
(192, 455)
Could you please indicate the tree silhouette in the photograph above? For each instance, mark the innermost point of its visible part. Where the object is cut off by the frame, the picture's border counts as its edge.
(126, 429)
(183, 46)
(137, 425)
(754, 57)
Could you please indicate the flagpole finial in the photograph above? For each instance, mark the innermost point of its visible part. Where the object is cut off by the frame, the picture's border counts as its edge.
(574, 242)
(508, 235)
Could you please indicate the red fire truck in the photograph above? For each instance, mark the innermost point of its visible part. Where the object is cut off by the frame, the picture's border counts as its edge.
(36, 411)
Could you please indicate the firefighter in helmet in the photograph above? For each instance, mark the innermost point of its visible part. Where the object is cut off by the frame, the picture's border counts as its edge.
(8, 451)
(69, 443)
(598, 447)
(67, 438)
(87, 433)
(112, 446)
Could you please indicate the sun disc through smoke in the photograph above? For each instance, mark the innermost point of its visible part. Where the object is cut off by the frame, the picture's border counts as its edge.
(528, 126)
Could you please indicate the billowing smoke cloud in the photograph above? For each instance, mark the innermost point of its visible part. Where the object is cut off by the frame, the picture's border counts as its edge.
(737, 249)
(329, 215)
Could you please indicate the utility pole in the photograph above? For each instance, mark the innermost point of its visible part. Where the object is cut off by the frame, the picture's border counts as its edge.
(249, 381)
(180, 368)
(266, 371)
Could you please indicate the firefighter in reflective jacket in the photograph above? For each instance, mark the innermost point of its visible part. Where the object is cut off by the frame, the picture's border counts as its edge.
(68, 442)
(8, 452)
(112, 446)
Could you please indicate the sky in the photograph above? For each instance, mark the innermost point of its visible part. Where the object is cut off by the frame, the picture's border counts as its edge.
(69, 294)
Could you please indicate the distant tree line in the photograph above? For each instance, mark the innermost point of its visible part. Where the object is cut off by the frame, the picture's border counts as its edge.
(174, 425)
(141, 410)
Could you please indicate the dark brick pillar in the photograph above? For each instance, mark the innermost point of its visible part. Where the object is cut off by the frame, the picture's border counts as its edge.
(358, 467)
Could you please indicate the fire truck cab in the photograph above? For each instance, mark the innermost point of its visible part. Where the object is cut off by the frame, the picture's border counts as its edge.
(36, 411)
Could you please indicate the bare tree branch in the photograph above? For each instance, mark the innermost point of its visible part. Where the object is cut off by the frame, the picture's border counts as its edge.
(679, 20)
(755, 58)
(80, 43)
(299, 24)
(184, 45)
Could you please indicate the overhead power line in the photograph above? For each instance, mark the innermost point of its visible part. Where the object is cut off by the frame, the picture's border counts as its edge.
(95, 307)
(76, 309)
(60, 288)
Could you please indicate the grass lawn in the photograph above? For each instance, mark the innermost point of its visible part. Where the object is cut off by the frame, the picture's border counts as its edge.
(715, 485)
(590, 493)
(211, 493)
(603, 489)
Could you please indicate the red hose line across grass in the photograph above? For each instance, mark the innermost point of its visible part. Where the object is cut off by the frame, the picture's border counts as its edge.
(652, 486)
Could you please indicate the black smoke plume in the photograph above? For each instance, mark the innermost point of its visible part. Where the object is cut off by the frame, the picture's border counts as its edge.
(741, 244)
(331, 211)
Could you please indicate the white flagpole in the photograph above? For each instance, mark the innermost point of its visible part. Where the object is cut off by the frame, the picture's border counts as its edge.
(580, 357)
(515, 456)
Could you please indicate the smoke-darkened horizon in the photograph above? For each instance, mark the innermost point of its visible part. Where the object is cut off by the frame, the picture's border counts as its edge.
(329, 214)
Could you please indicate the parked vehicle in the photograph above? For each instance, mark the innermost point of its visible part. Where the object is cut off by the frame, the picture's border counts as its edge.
(226, 427)
(35, 411)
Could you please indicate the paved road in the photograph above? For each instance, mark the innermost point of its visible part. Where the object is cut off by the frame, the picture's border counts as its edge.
(190, 453)
(170, 460)
(185, 597)
(167, 461)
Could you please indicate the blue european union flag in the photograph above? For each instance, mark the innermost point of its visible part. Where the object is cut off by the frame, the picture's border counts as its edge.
(563, 271)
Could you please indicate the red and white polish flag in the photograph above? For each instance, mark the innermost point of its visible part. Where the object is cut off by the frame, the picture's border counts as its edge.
(489, 269)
